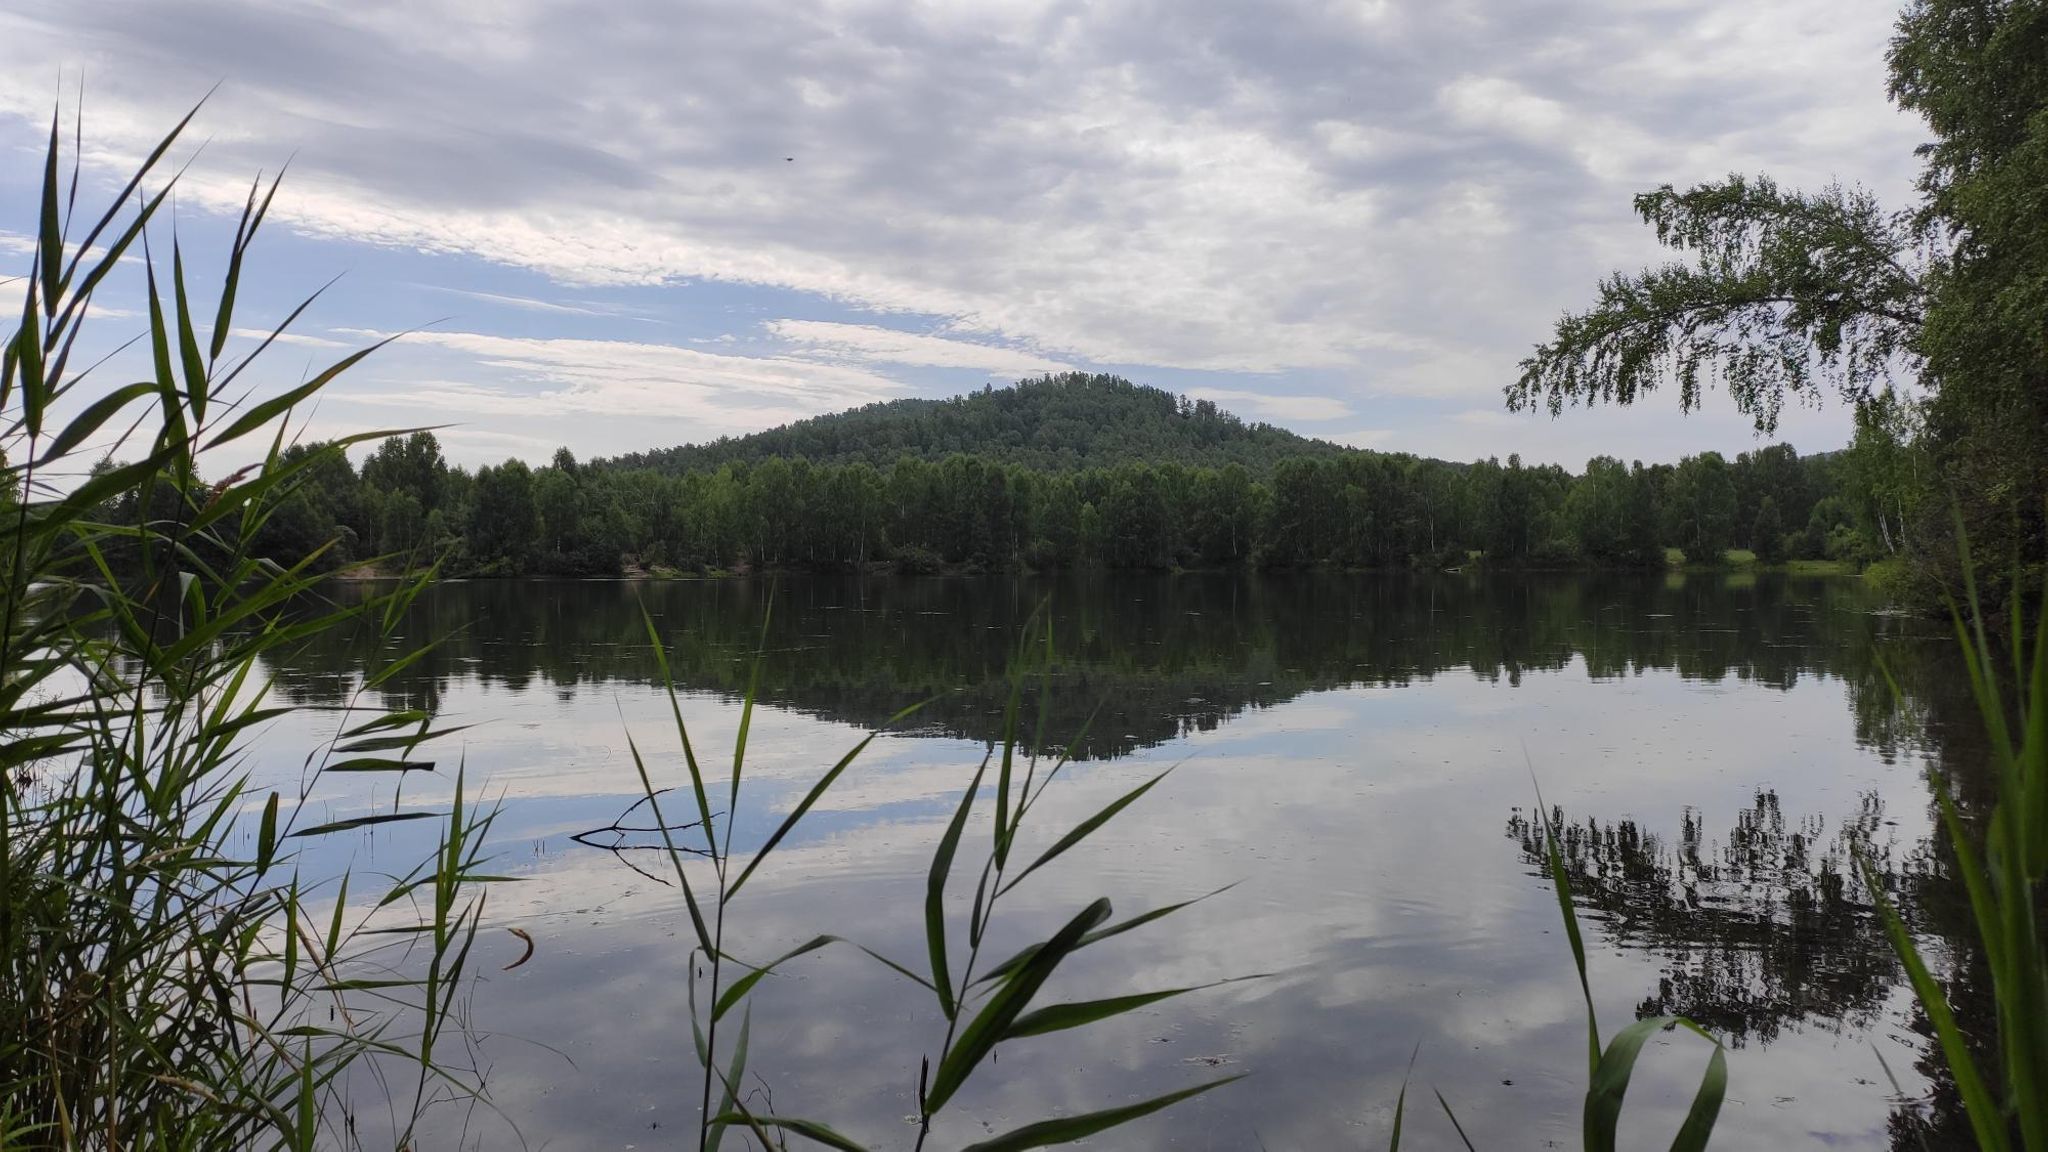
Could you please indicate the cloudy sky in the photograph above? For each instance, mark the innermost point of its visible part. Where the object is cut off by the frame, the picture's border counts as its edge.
(630, 225)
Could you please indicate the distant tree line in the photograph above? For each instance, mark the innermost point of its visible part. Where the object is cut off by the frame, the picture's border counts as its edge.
(1352, 510)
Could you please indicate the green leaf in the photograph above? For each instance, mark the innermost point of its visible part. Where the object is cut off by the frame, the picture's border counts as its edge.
(675, 857)
(1979, 1106)
(668, 684)
(745, 984)
(1561, 884)
(1085, 829)
(390, 743)
(95, 416)
(1067, 1129)
(379, 764)
(50, 250)
(1609, 1086)
(809, 1129)
(733, 1078)
(810, 798)
(245, 231)
(1401, 1100)
(266, 836)
(739, 743)
(362, 822)
(935, 895)
(188, 338)
(113, 253)
(1005, 1004)
(1453, 1117)
(270, 409)
(1118, 929)
(1059, 1017)
(1706, 1105)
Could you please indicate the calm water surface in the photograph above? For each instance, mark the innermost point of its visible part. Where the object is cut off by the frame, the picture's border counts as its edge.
(1354, 753)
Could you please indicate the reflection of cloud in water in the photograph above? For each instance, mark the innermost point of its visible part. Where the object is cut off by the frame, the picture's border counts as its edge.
(1364, 827)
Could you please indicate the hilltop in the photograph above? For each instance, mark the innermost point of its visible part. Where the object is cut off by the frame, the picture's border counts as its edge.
(1053, 423)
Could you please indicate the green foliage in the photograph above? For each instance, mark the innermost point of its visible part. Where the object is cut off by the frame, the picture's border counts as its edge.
(168, 977)
(1767, 532)
(2003, 871)
(1786, 293)
(1701, 508)
(1355, 510)
(982, 1009)
(1053, 423)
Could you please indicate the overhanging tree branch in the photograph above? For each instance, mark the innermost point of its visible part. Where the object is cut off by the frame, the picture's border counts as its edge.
(1785, 294)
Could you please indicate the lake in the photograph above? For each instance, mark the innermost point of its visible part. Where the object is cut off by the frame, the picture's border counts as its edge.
(1358, 755)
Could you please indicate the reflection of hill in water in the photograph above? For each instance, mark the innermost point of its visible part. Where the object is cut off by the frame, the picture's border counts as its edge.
(1762, 928)
(1160, 655)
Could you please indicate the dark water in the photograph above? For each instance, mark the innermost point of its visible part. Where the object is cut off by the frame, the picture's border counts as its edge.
(1354, 753)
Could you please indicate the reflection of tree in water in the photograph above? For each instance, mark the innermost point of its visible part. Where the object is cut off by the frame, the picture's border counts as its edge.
(1162, 656)
(1770, 926)
(1765, 927)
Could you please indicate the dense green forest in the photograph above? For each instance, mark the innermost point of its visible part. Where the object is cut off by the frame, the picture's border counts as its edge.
(1053, 423)
(1290, 503)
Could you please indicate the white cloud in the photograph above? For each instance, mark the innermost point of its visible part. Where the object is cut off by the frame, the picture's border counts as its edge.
(1363, 438)
(299, 338)
(530, 304)
(1127, 184)
(1489, 418)
(1279, 409)
(547, 378)
(866, 342)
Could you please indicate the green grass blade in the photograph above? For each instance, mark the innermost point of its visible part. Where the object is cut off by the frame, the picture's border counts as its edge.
(89, 421)
(1554, 857)
(266, 836)
(675, 857)
(1067, 1129)
(1609, 1087)
(1986, 1119)
(935, 895)
(1005, 1004)
(745, 984)
(808, 1129)
(50, 249)
(668, 684)
(733, 1078)
(1139, 921)
(1060, 1017)
(1401, 1099)
(1001, 828)
(361, 822)
(1706, 1105)
(810, 798)
(739, 743)
(1085, 829)
(1453, 1117)
(196, 390)
(245, 231)
(276, 406)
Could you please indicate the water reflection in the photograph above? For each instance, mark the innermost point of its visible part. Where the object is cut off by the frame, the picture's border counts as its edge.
(1166, 655)
(1352, 746)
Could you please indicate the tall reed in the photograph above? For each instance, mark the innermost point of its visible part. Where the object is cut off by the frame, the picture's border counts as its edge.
(169, 979)
(2002, 865)
(983, 1004)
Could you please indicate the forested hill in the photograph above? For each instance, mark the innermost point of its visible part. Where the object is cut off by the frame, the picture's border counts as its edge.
(1054, 423)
